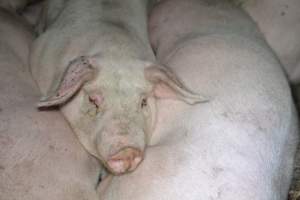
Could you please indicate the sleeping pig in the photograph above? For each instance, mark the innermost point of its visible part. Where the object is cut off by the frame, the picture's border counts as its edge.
(94, 60)
(40, 158)
(238, 146)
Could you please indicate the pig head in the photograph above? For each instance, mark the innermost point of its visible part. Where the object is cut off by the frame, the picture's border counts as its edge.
(112, 108)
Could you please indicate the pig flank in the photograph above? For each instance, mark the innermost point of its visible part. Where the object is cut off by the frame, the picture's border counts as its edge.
(100, 68)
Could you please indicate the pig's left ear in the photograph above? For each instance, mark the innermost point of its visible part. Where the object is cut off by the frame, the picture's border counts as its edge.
(77, 73)
(167, 85)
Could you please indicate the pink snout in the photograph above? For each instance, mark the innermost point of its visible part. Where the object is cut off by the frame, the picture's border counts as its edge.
(126, 160)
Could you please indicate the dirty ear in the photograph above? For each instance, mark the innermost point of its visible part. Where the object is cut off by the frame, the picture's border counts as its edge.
(167, 85)
(77, 73)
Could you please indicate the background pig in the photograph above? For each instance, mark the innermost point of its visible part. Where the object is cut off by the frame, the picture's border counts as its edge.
(94, 59)
(280, 23)
(39, 156)
(239, 145)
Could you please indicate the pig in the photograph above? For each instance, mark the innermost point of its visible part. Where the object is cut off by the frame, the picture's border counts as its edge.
(238, 146)
(280, 23)
(40, 158)
(95, 62)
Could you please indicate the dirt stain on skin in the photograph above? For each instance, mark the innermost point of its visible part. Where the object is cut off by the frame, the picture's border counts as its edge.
(51, 147)
(225, 114)
(216, 171)
(5, 140)
(25, 166)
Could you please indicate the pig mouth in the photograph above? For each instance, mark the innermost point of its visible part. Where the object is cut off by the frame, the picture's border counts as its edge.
(124, 161)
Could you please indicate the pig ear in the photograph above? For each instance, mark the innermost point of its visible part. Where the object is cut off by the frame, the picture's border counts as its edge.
(167, 85)
(77, 73)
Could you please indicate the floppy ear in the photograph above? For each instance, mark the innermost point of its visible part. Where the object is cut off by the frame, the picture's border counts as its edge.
(77, 73)
(167, 85)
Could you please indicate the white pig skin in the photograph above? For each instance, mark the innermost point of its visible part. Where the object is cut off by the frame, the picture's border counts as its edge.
(238, 146)
(40, 157)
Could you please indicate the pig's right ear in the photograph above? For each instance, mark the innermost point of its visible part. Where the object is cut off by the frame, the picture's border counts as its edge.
(77, 73)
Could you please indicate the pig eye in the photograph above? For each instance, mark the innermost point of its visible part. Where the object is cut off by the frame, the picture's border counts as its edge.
(144, 103)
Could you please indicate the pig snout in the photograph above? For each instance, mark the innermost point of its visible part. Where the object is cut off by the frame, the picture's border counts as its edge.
(121, 153)
(126, 160)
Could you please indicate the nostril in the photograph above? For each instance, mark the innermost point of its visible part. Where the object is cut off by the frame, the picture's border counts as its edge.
(126, 160)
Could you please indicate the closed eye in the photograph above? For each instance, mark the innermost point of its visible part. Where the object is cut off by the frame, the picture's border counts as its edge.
(144, 103)
(93, 101)
(96, 99)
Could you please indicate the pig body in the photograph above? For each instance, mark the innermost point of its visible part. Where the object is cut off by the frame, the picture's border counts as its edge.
(280, 23)
(40, 158)
(241, 144)
(95, 60)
